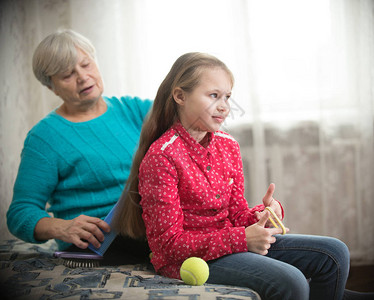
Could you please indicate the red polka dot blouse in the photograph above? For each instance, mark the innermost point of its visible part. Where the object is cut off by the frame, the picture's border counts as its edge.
(193, 199)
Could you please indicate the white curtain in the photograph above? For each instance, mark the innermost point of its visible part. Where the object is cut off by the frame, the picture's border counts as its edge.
(303, 101)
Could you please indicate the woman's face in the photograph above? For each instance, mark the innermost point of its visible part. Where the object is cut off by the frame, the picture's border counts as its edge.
(80, 87)
(206, 107)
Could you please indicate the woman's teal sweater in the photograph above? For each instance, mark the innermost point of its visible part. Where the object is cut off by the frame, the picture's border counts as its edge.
(77, 168)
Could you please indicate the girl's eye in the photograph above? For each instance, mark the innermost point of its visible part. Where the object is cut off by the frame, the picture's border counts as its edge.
(214, 95)
(227, 97)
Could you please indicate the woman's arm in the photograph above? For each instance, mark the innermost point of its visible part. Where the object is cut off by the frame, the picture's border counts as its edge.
(27, 217)
(35, 182)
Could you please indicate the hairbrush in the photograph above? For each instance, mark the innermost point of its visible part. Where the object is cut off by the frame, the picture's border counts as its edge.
(79, 259)
(108, 236)
(87, 259)
(277, 220)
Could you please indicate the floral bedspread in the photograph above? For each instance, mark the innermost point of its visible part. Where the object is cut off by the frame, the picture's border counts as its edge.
(31, 272)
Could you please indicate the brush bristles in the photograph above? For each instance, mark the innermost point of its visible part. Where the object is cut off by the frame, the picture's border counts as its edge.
(81, 263)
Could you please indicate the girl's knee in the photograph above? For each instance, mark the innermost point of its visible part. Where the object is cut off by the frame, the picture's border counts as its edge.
(339, 252)
(342, 250)
(291, 285)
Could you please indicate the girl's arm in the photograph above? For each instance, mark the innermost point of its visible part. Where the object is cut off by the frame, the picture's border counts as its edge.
(240, 213)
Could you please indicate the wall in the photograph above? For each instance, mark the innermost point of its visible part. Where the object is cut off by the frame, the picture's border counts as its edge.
(323, 171)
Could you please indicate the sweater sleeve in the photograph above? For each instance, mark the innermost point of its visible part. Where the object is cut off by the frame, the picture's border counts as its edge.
(163, 217)
(135, 108)
(144, 106)
(35, 182)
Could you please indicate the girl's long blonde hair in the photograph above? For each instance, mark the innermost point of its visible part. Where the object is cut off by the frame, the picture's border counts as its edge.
(185, 74)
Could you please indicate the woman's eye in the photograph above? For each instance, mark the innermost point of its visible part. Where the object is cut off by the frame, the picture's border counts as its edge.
(67, 76)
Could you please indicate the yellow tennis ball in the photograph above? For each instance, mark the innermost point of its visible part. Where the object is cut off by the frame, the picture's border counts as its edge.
(194, 271)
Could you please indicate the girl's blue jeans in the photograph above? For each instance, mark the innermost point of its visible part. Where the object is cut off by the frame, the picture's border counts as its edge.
(297, 267)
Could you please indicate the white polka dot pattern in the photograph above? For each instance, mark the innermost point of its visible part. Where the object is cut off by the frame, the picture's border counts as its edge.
(193, 199)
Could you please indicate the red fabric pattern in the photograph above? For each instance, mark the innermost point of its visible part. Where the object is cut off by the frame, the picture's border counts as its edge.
(193, 199)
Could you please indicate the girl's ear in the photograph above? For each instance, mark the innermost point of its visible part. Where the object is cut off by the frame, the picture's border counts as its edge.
(179, 96)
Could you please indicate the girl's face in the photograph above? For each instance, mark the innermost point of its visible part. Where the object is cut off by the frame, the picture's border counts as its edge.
(207, 106)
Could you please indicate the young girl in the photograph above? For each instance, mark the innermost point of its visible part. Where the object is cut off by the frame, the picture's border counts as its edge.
(185, 194)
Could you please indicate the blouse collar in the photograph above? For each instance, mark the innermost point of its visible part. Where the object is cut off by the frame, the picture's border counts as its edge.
(194, 146)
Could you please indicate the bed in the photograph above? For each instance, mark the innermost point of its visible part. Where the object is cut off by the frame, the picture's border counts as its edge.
(29, 272)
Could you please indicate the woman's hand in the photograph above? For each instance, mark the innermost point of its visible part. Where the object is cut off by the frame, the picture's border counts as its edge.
(79, 231)
(268, 200)
(259, 238)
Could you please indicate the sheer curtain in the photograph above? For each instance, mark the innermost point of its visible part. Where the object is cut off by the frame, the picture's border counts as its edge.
(303, 101)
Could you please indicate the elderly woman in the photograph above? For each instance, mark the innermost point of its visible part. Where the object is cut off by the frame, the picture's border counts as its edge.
(76, 159)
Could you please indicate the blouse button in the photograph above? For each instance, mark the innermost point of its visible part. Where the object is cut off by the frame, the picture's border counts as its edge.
(176, 134)
(208, 168)
(218, 196)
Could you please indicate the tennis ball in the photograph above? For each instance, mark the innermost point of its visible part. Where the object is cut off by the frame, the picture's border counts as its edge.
(194, 271)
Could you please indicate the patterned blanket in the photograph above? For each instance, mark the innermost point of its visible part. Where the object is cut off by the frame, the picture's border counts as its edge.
(31, 272)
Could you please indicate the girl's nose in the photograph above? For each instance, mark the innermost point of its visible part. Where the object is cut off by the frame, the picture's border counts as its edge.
(223, 106)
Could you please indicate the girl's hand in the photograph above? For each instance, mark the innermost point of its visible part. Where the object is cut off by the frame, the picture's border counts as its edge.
(259, 238)
(268, 200)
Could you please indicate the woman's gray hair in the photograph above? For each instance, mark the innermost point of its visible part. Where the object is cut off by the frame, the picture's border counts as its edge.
(58, 53)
